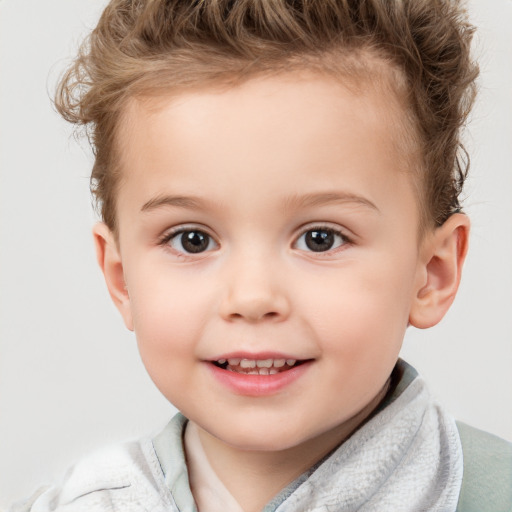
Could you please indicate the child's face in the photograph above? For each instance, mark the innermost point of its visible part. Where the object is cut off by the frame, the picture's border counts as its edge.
(272, 221)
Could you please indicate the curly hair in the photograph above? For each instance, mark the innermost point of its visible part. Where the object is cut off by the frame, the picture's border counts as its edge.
(150, 47)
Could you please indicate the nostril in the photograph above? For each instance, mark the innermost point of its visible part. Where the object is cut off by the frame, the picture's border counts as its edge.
(253, 305)
(269, 315)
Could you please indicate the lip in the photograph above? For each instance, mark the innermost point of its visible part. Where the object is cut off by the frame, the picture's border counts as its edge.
(258, 385)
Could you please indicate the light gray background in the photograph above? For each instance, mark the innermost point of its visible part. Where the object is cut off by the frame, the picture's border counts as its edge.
(70, 377)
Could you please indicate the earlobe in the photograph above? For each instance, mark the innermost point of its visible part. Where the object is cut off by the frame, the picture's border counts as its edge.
(110, 262)
(443, 255)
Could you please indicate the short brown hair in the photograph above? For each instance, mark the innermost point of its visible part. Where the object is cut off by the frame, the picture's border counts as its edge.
(144, 47)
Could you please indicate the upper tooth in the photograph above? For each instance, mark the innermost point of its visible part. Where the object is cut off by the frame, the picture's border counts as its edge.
(264, 363)
(260, 363)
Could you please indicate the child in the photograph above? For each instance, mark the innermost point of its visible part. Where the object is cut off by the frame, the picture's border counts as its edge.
(279, 183)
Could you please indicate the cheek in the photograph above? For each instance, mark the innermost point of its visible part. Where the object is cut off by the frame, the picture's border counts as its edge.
(167, 327)
(361, 311)
(169, 314)
(163, 300)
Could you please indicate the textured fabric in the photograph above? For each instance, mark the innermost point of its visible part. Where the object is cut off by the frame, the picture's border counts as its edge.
(125, 478)
(487, 481)
(168, 446)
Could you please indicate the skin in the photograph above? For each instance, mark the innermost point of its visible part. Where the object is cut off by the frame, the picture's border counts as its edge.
(254, 168)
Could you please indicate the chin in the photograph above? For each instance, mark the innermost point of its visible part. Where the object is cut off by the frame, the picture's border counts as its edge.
(264, 443)
(260, 438)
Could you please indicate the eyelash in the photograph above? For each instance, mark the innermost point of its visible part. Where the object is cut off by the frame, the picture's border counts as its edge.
(168, 237)
(328, 231)
(343, 239)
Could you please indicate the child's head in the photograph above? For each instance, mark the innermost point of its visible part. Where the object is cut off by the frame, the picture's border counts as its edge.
(278, 183)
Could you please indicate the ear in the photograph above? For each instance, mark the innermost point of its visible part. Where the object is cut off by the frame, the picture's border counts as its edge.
(109, 260)
(443, 254)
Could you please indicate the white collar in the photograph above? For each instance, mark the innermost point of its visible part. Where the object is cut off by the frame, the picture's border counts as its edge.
(210, 494)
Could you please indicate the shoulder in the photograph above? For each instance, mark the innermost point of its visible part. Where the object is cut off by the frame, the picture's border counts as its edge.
(125, 477)
(487, 478)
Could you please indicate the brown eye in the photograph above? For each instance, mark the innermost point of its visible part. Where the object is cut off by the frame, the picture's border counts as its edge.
(320, 240)
(192, 241)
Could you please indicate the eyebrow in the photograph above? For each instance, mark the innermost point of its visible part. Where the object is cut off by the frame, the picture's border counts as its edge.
(327, 198)
(176, 201)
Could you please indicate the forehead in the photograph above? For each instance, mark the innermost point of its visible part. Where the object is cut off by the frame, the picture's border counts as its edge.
(278, 129)
(298, 101)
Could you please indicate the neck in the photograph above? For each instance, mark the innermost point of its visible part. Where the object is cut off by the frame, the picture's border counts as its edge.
(254, 477)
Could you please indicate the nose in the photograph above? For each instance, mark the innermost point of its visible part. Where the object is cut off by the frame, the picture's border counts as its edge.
(253, 291)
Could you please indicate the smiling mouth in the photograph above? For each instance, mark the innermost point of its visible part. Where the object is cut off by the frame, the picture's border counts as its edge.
(257, 366)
